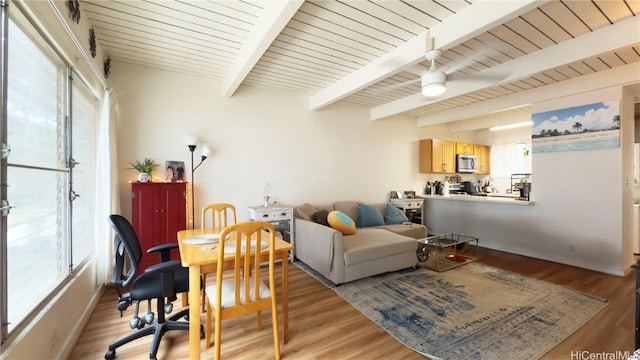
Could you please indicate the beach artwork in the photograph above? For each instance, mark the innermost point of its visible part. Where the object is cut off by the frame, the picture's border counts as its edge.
(585, 127)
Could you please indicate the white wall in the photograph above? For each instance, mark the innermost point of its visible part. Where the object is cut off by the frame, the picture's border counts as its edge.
(583, 211)
(260, 136)
(55, 329)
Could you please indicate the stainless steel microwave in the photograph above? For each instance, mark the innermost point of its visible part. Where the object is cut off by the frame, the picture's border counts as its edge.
(466, 163)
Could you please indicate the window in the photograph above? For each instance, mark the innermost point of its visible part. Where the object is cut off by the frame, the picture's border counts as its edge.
(47, 234)
(510, 158)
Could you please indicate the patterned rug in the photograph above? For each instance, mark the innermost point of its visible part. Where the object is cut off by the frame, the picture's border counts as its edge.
(470, 312)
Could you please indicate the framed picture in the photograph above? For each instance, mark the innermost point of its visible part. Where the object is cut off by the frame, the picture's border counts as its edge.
(174, 171)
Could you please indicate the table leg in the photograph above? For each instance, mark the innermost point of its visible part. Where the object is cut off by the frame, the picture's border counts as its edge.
(285, 298)
(194, 312)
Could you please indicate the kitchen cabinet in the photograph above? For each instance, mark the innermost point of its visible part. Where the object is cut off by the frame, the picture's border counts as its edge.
(483, 157)
(464, 149)
(158, 212)
(437, 156)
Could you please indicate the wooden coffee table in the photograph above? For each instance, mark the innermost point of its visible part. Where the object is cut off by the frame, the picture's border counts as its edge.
(442, 252)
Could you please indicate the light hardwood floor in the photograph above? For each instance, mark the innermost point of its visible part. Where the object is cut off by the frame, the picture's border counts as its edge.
(324, 326)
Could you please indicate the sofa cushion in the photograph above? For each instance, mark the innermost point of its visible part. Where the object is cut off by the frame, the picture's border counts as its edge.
(368, 216)
(416, 231)
(351, 208)
(305, 211)
(393, 215)
(341, 222)
(375, 243)
(320, 217)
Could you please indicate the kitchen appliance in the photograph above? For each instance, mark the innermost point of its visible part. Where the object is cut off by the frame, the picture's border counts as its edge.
(471, 187)
(525, 189)
(466, 163)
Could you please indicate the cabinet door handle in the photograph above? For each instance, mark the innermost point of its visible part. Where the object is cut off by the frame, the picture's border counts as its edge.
(283, 214)
(265, 215)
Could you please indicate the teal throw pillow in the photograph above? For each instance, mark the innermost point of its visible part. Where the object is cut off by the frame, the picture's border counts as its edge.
(368, 216)
(393, 215)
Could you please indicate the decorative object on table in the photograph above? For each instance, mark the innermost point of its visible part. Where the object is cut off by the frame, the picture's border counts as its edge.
(145, 167)
(92, 42)
(192, 143)
(174, 171)
(265, 194)
(456, 314)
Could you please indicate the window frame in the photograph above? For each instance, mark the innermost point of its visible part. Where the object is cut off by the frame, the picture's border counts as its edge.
(22, 20)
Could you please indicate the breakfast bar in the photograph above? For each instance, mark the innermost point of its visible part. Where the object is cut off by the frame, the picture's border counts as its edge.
(495, 199)
(502, 223)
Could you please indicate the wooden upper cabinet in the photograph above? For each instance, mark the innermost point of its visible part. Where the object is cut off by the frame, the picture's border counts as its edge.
(483, 155)
(465, 148)
(437, 156)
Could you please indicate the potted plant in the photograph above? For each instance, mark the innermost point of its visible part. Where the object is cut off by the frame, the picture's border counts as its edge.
(145, 167)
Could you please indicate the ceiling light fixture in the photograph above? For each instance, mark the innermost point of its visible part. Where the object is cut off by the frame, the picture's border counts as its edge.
(511, 126)
(434, 80)
(433, 83)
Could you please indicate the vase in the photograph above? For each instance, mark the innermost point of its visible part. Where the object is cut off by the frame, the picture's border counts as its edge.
(144, 177)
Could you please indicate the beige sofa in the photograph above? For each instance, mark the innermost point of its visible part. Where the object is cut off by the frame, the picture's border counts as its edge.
(343, 258)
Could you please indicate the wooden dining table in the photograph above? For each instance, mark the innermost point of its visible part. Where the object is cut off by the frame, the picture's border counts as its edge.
(202, 259)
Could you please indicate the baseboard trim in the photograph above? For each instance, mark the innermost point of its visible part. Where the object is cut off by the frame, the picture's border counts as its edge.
(561, 260)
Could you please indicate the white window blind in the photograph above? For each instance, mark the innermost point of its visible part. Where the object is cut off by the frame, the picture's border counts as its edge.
(37, 236)
(510, 158)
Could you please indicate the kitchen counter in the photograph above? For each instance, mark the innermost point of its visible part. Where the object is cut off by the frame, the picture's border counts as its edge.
(494, 199)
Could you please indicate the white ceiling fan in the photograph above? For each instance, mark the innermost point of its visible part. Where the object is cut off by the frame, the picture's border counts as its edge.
(433, 81)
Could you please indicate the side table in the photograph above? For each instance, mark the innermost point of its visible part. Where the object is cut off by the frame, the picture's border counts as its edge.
(440, 252)
(281, 216)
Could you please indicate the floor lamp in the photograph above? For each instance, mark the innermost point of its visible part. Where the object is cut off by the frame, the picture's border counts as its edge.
(192, 143)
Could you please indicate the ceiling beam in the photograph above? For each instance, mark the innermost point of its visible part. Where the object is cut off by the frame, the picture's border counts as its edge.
(471, 21)
(612, 37)
(619, 76)
(275, 16)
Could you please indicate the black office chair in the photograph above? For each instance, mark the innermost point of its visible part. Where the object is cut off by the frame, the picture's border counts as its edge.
(160, 281)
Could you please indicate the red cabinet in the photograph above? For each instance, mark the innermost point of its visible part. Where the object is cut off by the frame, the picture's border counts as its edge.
(158, 212)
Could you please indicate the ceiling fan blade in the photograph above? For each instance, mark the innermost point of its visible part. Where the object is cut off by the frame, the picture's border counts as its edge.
(454, 66)
(495, 77)
(387, 88)
(402, 84)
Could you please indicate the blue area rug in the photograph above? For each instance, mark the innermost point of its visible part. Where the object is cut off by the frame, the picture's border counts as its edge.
(470, 312)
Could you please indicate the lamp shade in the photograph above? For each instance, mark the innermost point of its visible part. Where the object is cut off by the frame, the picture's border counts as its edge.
(206, 151)
(433, 83)
(191, 140)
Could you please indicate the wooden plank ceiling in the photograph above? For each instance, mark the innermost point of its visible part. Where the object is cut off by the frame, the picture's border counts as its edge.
(371, 53)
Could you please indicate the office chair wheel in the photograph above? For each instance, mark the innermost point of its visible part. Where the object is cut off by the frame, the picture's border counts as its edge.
(110, 355)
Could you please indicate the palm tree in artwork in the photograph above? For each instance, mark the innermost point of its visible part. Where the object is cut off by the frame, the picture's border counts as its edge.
(577, 126)
(616, 121)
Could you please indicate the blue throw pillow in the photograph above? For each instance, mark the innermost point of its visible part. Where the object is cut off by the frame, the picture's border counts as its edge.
(393, 215)
(368, 216)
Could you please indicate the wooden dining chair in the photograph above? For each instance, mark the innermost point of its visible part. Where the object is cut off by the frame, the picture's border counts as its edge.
(221, 215)
(227, 298)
